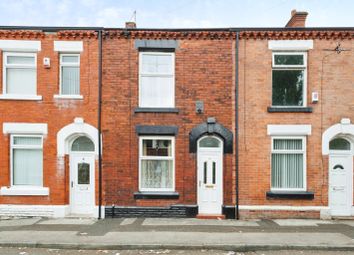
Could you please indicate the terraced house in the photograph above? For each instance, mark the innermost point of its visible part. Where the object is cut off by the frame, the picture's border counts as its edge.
(130, 122)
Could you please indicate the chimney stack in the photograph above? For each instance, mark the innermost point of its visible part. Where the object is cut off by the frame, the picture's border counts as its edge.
(130, 24)
(297, 19)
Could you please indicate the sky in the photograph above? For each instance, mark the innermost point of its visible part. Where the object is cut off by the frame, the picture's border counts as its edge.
(174, 13)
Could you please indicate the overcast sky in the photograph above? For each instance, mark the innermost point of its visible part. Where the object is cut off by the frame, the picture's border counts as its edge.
(174, 13)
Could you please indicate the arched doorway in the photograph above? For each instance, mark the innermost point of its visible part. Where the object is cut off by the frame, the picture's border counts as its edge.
(210, 175)
(338, 144)
(82, 176)
(340, 176)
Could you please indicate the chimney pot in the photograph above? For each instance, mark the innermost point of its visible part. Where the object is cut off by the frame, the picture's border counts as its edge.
(297, 19)
(130, 24)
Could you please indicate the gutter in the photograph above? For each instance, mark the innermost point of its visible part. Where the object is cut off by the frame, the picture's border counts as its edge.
(236, 125)
(230, 29)
(99, 113)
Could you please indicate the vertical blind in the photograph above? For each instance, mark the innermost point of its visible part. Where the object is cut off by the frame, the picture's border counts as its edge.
(287, 164)
(27, 161)
(70, 80)
(70, 74)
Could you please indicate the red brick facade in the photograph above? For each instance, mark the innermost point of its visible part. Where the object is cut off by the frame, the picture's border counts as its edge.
(56, 113)
(205, 70)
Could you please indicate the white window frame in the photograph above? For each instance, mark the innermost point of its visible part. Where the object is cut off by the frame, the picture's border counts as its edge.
(72, 64)
(303, 152)
(172, 157)
(291, 67)
(172, 75)
(14, 146)
(25, 66)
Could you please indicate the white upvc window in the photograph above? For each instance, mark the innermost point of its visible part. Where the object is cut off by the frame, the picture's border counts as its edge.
(26, 160)
(19, 74)
(156, 163)
(289, 79)
(288, 163)
(157, 79)
(69, 75)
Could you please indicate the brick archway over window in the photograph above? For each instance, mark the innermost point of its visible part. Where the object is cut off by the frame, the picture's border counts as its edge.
(211, 127)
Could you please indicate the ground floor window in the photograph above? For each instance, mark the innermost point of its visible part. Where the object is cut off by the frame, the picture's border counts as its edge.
(156, 164)
(27, 160)
(288, 163)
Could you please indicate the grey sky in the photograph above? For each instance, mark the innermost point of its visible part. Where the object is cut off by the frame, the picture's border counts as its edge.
(174, 13)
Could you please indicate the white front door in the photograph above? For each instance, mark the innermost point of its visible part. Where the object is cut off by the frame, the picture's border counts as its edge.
(340, 184)
(210, 180)
(82, 183)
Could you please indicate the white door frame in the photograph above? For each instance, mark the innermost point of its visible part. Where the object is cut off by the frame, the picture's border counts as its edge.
(344, 154)
(72, 173)
(213, 152)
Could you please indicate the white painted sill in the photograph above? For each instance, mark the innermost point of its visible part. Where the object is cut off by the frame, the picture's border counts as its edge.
(24, 191)
(19, 97)
(68, 97)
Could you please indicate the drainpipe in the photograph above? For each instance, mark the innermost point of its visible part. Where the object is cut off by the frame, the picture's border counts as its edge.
(236, 125)
(99, 123)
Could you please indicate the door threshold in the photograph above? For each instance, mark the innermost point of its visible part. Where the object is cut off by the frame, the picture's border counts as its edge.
(342, 217)
(211, 216)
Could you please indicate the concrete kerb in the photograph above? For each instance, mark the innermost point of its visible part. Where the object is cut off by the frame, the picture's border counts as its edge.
(227, 247)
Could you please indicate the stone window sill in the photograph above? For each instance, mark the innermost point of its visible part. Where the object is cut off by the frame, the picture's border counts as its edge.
(20, 97)
(24, 191)
(289, 109)
(68, 97)
(156, 195)
(306, 195)
(155, 110)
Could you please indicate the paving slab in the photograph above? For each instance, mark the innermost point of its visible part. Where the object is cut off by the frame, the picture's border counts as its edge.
(128, 221)
(18, 222)
(346, 222)
(300, 222)
(197, 222)
(68, 222)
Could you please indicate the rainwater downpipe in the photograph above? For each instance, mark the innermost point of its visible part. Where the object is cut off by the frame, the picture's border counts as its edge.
(99, 123)
(236, 125)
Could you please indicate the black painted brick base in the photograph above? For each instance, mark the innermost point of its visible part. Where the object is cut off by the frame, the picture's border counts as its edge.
(179, 211)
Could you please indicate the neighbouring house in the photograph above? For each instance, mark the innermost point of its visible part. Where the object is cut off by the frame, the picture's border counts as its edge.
(227, 123)
(48, 115)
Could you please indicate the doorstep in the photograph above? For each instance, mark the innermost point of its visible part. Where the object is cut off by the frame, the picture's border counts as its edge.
(211, 216)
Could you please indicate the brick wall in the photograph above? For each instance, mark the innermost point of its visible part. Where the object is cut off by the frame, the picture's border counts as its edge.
(57, 113)
(335, 85)
(204, 71)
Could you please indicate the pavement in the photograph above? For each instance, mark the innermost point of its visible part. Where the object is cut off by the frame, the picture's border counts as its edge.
(178, 234)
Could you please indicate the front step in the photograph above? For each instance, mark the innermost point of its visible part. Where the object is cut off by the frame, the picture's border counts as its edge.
(211, 216)
(342, 217)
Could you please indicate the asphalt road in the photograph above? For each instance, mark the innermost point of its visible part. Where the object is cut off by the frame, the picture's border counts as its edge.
(31, 251)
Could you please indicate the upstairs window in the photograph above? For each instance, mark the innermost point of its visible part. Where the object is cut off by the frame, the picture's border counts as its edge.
(289, 79)
(69, 74)
(156, 80)
(19, 73)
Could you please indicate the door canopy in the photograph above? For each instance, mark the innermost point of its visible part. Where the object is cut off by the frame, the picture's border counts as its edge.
(211, 127)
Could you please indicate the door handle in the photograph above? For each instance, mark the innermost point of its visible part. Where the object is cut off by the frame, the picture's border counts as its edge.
(72, 184)
(200, 183)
